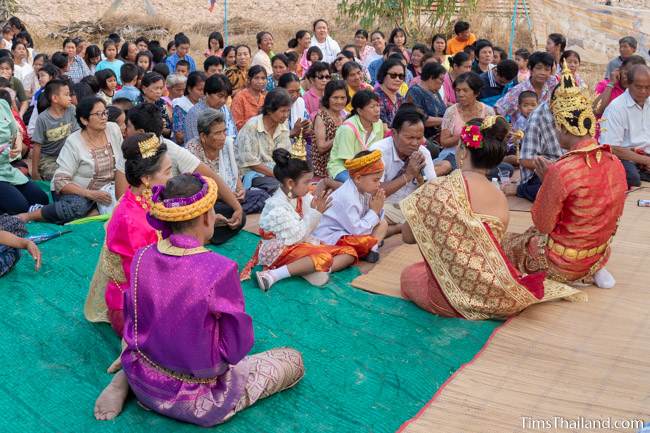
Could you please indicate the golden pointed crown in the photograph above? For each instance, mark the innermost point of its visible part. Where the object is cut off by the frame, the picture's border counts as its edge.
(149, 147)
(571, 108)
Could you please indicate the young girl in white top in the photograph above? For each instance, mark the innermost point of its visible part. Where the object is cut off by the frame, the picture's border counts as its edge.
(289, 217)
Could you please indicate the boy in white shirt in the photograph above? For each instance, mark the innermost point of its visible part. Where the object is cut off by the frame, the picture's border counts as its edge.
(355, 217)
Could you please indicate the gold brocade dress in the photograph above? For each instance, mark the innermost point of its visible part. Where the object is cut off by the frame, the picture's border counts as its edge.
(465, 272)
(419, 285)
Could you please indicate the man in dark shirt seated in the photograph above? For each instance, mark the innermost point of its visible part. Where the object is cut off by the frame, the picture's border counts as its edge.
(497, 81)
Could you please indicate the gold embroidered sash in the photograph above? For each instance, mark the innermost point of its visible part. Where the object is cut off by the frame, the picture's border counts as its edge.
(468, 266)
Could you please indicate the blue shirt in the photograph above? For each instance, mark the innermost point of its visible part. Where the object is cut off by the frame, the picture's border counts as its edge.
(374, 66)
(492, 91)
(270, 83)
(191, 119)
(174, 58)
(429, 102)
(129, 92)
(115, 66)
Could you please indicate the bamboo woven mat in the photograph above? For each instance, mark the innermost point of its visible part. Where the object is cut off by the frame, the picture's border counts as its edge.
(561, 359)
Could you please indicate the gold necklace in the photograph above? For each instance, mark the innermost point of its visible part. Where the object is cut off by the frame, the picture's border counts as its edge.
(93, 143)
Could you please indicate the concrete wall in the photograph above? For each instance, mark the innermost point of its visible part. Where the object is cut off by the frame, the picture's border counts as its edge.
(593, 29)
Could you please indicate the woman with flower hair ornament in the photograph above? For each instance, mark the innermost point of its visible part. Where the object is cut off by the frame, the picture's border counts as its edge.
(458, 222)
(577, 209)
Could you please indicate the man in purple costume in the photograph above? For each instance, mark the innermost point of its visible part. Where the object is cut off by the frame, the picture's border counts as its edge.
(186, 330)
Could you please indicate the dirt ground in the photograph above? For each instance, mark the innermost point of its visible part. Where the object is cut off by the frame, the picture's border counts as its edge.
(246, 17)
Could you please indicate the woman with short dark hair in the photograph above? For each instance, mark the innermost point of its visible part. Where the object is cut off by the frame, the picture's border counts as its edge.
(83, 183)
(330, 116)
(467, 87)
(260, 136)
(390, 77)
(318, 76)
(248, 102)
(425, 95)
(263, 56)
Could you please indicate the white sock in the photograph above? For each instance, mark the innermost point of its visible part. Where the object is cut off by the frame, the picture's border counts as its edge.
(375, 248)
(280, 273)
(604, 279)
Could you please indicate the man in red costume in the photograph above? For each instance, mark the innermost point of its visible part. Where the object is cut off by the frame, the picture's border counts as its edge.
(582, 196)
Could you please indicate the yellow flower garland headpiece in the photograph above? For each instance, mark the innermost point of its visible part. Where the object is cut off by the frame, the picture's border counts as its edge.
(366, 164)
(571, 108)
(181, 208)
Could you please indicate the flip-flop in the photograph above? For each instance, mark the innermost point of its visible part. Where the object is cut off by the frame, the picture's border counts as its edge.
(264, 281)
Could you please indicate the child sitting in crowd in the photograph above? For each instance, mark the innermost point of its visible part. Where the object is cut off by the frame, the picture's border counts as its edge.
(182, 68)
(53, 126)
(107, 84)
(527, 103)
(129, 76)
(288, 220)
(521, 57)
(111, 61)
(182, 43)
(355, 217)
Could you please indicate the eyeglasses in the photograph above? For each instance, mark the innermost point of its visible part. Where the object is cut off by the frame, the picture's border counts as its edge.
(100, 114)
(324, 77)
(395, 76)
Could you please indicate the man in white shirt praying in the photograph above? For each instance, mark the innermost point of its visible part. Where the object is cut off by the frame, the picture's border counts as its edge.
(407, 163)
(626, 126)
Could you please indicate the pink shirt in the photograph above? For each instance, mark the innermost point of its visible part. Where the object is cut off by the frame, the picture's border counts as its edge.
(617, 91)
(127, 231)
(448, 86)
(312, 101)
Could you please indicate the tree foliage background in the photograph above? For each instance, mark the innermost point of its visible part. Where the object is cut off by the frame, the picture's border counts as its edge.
(420, 18)
(8, 8)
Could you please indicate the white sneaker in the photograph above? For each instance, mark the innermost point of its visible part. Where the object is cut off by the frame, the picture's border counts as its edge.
(317, 279)
(264, 280)
(604, 279)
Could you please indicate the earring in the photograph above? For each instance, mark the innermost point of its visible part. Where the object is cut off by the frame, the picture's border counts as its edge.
(290, 193)
(146, 195)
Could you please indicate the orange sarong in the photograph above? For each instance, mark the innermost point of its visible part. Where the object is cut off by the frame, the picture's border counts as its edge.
(321, 255)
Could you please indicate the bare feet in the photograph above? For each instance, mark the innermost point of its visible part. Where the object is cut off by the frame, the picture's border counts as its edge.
(115, 366)
(110, 402)
(34, 214)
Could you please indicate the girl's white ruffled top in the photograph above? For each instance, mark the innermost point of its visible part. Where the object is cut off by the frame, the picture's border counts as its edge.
(281, 218)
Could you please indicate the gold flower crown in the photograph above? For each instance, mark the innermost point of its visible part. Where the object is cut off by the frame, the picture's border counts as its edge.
(185, 209)
(569, 102)
(149, 147)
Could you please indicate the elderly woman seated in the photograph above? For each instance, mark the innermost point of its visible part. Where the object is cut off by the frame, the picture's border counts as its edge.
(215, 149)
(259, 137)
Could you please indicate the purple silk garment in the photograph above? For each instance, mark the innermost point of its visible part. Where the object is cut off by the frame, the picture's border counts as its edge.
(191, 321)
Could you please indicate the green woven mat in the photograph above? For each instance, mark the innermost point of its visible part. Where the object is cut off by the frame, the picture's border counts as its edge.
(371, 361)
